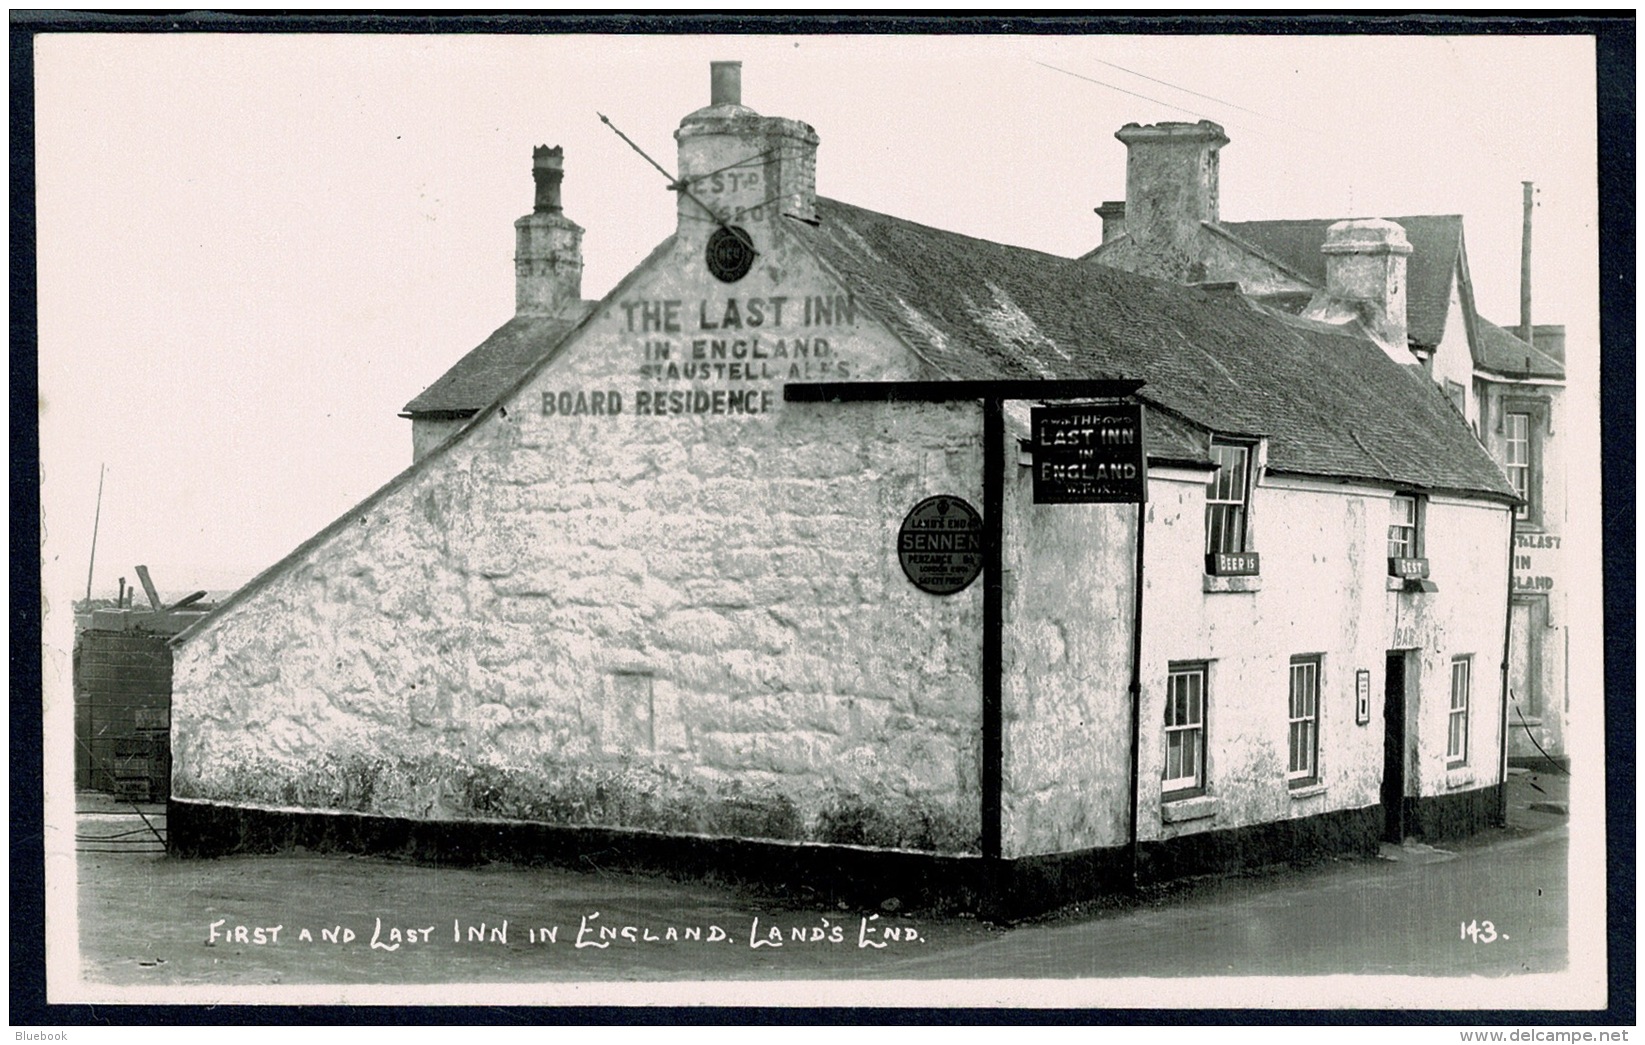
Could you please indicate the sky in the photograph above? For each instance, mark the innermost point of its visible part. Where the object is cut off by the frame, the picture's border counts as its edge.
(254, 250)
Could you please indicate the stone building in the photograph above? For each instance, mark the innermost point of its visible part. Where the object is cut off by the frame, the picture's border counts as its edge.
(700, 584)
(1508, 385)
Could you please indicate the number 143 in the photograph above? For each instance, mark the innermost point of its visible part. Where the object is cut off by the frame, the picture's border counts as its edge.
(1480, 932)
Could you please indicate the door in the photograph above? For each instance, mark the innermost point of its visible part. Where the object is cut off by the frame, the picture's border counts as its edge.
(1393, 748)
(1528, 619)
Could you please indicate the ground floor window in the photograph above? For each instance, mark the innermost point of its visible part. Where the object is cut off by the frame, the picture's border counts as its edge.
(1185, 700)
(1302, 766)
(1456, 743)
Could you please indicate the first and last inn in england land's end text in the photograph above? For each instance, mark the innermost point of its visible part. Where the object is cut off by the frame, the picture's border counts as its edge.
(591, 932)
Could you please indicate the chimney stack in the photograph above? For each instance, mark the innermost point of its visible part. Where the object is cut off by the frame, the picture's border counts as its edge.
(1527, 333)
(548, 246)
(746, 168)
(1365, 261)
(1171, 175)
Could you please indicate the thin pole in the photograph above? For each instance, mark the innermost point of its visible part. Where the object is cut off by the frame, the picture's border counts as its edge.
(1507, 658)
(1527, 333)
(96, 522)
(1136, 650)
(993, 508)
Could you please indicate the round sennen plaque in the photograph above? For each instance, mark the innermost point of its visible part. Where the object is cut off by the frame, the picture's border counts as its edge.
(940, 545)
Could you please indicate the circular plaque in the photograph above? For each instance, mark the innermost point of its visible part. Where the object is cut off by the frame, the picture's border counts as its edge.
(730, 253)
(940, 545)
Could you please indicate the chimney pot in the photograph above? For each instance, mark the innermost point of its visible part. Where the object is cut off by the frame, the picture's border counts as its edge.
(1112, 214)
(547, 171)
(725, 83)
(772, 160)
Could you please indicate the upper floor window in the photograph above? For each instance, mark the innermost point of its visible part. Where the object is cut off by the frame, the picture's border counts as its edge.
(1405, 542)
(1227, 514)
(1403, 535)
(1524, 423)
(1226, 496)
(1517, 458)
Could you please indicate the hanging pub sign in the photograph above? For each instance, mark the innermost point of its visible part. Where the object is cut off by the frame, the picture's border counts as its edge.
(940, 545)
(1089, 454)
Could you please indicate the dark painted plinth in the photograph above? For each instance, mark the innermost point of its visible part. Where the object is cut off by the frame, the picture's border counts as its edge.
(861, 877)
(1003, 890)
(1439, 818)
(1032, 885)
(1304, 839)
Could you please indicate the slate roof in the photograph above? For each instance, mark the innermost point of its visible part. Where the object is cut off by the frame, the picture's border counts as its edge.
(1504, 352)
(1330, 404)
(482, 375)
(1436, 242)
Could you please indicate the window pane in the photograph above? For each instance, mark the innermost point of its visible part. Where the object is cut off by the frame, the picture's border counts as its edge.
(1184, 729)
(1302, 738)
(1225, 494)
(1457, 736)
(1518, 431)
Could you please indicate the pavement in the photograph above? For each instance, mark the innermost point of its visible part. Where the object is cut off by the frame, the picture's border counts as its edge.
(328, 919)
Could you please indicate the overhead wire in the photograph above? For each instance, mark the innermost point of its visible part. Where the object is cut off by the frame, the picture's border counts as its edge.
(1112, 87)
(1184, 90)
(1155, 101)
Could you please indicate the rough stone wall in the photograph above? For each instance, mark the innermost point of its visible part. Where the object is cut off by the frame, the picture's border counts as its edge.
(1323, 591)
(1069, 606)
(585, 612)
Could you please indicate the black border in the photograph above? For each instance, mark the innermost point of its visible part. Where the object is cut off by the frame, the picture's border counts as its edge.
(1615, 51)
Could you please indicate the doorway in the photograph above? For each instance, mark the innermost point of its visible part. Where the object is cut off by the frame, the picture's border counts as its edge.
(1393, 746)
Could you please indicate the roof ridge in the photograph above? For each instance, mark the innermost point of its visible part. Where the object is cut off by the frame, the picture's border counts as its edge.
(1211, 359)
(1315, 221)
